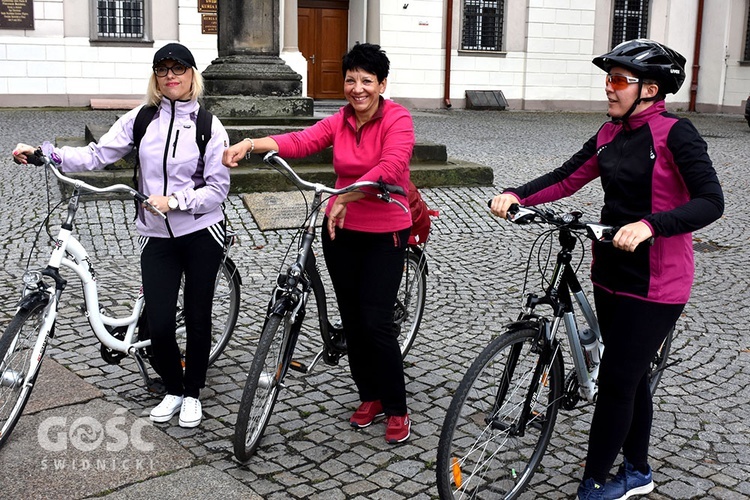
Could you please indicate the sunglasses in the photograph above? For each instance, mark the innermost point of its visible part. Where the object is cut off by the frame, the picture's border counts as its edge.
(621, 82)
(177, 69)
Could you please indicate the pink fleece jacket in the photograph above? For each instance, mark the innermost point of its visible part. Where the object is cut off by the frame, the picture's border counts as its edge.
(381, 148)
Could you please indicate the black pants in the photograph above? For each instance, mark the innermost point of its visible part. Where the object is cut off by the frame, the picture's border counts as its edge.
(366, 271)
(163, 263)
(632, 331)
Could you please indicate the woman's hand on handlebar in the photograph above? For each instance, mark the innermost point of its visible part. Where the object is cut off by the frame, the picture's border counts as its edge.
(631, 235)
(22, 152)
(160, 203)
(501, 203)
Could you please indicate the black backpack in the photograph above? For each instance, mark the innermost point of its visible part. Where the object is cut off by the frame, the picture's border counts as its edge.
(146, 115)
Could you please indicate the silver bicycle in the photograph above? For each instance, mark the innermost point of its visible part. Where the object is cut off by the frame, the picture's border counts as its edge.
(502, 415)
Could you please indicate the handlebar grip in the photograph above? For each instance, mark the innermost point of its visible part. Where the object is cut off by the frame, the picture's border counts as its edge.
(393, 188)
(610, 234)
(140, 197)
(36, 159)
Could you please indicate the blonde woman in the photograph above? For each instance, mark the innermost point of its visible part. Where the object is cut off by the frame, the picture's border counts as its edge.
(189, 188)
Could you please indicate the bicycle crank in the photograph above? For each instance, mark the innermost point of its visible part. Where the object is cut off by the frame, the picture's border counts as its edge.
(570, 396)
(112, 356)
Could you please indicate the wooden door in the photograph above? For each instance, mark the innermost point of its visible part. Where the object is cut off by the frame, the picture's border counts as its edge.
(323, 33)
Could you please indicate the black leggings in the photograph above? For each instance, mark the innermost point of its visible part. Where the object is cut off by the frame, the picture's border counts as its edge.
(163, 263)
(366, 271)
(632, 331)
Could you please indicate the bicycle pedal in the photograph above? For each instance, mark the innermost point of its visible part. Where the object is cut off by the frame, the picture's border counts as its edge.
(297, 366)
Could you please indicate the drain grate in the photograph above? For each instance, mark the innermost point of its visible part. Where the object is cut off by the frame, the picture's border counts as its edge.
(485, 99)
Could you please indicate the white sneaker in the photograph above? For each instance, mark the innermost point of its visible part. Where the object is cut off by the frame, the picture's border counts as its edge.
(166, 409)
(191, 412)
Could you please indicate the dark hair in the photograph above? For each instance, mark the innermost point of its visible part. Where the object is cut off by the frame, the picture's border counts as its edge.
(367, 57)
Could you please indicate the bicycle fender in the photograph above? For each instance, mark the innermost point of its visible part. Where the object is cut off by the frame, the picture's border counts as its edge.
(280, 306)
(420, 255)
(32, 299)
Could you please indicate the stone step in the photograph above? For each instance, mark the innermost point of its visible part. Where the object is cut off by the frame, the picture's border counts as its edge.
(251, 179)
(423, 152)
(430, 166)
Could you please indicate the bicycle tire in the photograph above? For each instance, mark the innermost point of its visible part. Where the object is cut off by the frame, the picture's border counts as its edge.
(411, 298)
(478, 461)
(16, 346)
(225, 310)
(262, 388)
(659, 363)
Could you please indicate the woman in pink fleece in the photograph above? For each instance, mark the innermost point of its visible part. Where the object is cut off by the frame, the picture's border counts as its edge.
(365, 241)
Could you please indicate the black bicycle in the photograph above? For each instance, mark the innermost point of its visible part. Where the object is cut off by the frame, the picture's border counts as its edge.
(501, 417)
(287, 310)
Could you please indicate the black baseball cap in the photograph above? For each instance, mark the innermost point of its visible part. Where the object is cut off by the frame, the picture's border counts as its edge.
(176, 52)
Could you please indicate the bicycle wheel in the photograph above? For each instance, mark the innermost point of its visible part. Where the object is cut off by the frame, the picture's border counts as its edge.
(659, 362)
(17, 378)
(224, 310)
(411, 299)
(264, 381)
(484, 450)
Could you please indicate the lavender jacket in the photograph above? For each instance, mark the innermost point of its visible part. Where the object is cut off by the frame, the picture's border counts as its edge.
(170, 163)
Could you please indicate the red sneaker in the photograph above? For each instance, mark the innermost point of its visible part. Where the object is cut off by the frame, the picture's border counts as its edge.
(398, 429)
(366, 414)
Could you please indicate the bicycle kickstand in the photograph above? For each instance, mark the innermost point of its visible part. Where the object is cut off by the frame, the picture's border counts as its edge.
(155, 384)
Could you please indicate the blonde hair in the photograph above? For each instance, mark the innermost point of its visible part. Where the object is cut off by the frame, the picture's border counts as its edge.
(153, 95)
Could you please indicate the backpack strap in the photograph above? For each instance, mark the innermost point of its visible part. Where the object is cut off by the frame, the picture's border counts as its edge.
(142, 120)
(203, 129)
(141, 123)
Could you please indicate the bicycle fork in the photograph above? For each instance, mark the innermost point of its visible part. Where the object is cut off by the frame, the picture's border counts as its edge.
(547, 350)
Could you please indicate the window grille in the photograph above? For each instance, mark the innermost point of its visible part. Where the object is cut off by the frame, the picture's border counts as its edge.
(120, 19)
(630, 20)
(746, 56)
(483, 25)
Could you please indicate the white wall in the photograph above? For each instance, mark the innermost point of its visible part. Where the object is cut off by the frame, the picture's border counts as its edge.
(547, 64)
(55, 64)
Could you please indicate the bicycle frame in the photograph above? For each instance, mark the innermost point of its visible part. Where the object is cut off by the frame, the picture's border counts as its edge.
(293, 288)
(565, 288)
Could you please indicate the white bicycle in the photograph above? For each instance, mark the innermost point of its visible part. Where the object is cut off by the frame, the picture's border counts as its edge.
(25, 340)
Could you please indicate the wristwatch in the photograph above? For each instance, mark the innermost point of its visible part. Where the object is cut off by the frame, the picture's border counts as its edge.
(172, 203)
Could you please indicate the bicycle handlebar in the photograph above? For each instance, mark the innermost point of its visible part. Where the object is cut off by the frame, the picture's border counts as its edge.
(51, 160)
(273, 159)
(519, 214)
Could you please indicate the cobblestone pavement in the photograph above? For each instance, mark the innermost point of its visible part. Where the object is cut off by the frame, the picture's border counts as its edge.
(700, 446)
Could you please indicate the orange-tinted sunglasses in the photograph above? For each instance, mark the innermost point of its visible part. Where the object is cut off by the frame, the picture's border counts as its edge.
(621, 82)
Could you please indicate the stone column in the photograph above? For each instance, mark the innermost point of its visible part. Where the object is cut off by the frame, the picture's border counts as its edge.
(249, 79)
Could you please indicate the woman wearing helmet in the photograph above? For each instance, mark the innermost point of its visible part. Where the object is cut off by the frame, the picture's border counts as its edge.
(659, 182)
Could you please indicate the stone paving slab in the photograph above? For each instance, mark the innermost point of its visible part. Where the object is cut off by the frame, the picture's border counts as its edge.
(200, 482)
(58, 386)
(79, 450)
(279, 210)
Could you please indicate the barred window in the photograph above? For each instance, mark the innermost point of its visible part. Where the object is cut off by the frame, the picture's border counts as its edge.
(746, 56)
(630, 20)
(120, 20)
(483, 25)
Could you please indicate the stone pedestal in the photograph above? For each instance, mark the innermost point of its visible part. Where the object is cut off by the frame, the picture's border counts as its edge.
(249, 79)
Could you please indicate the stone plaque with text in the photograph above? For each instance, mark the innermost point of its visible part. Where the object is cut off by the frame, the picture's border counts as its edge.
(209, 24)
(17, 14)
(207, 5)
